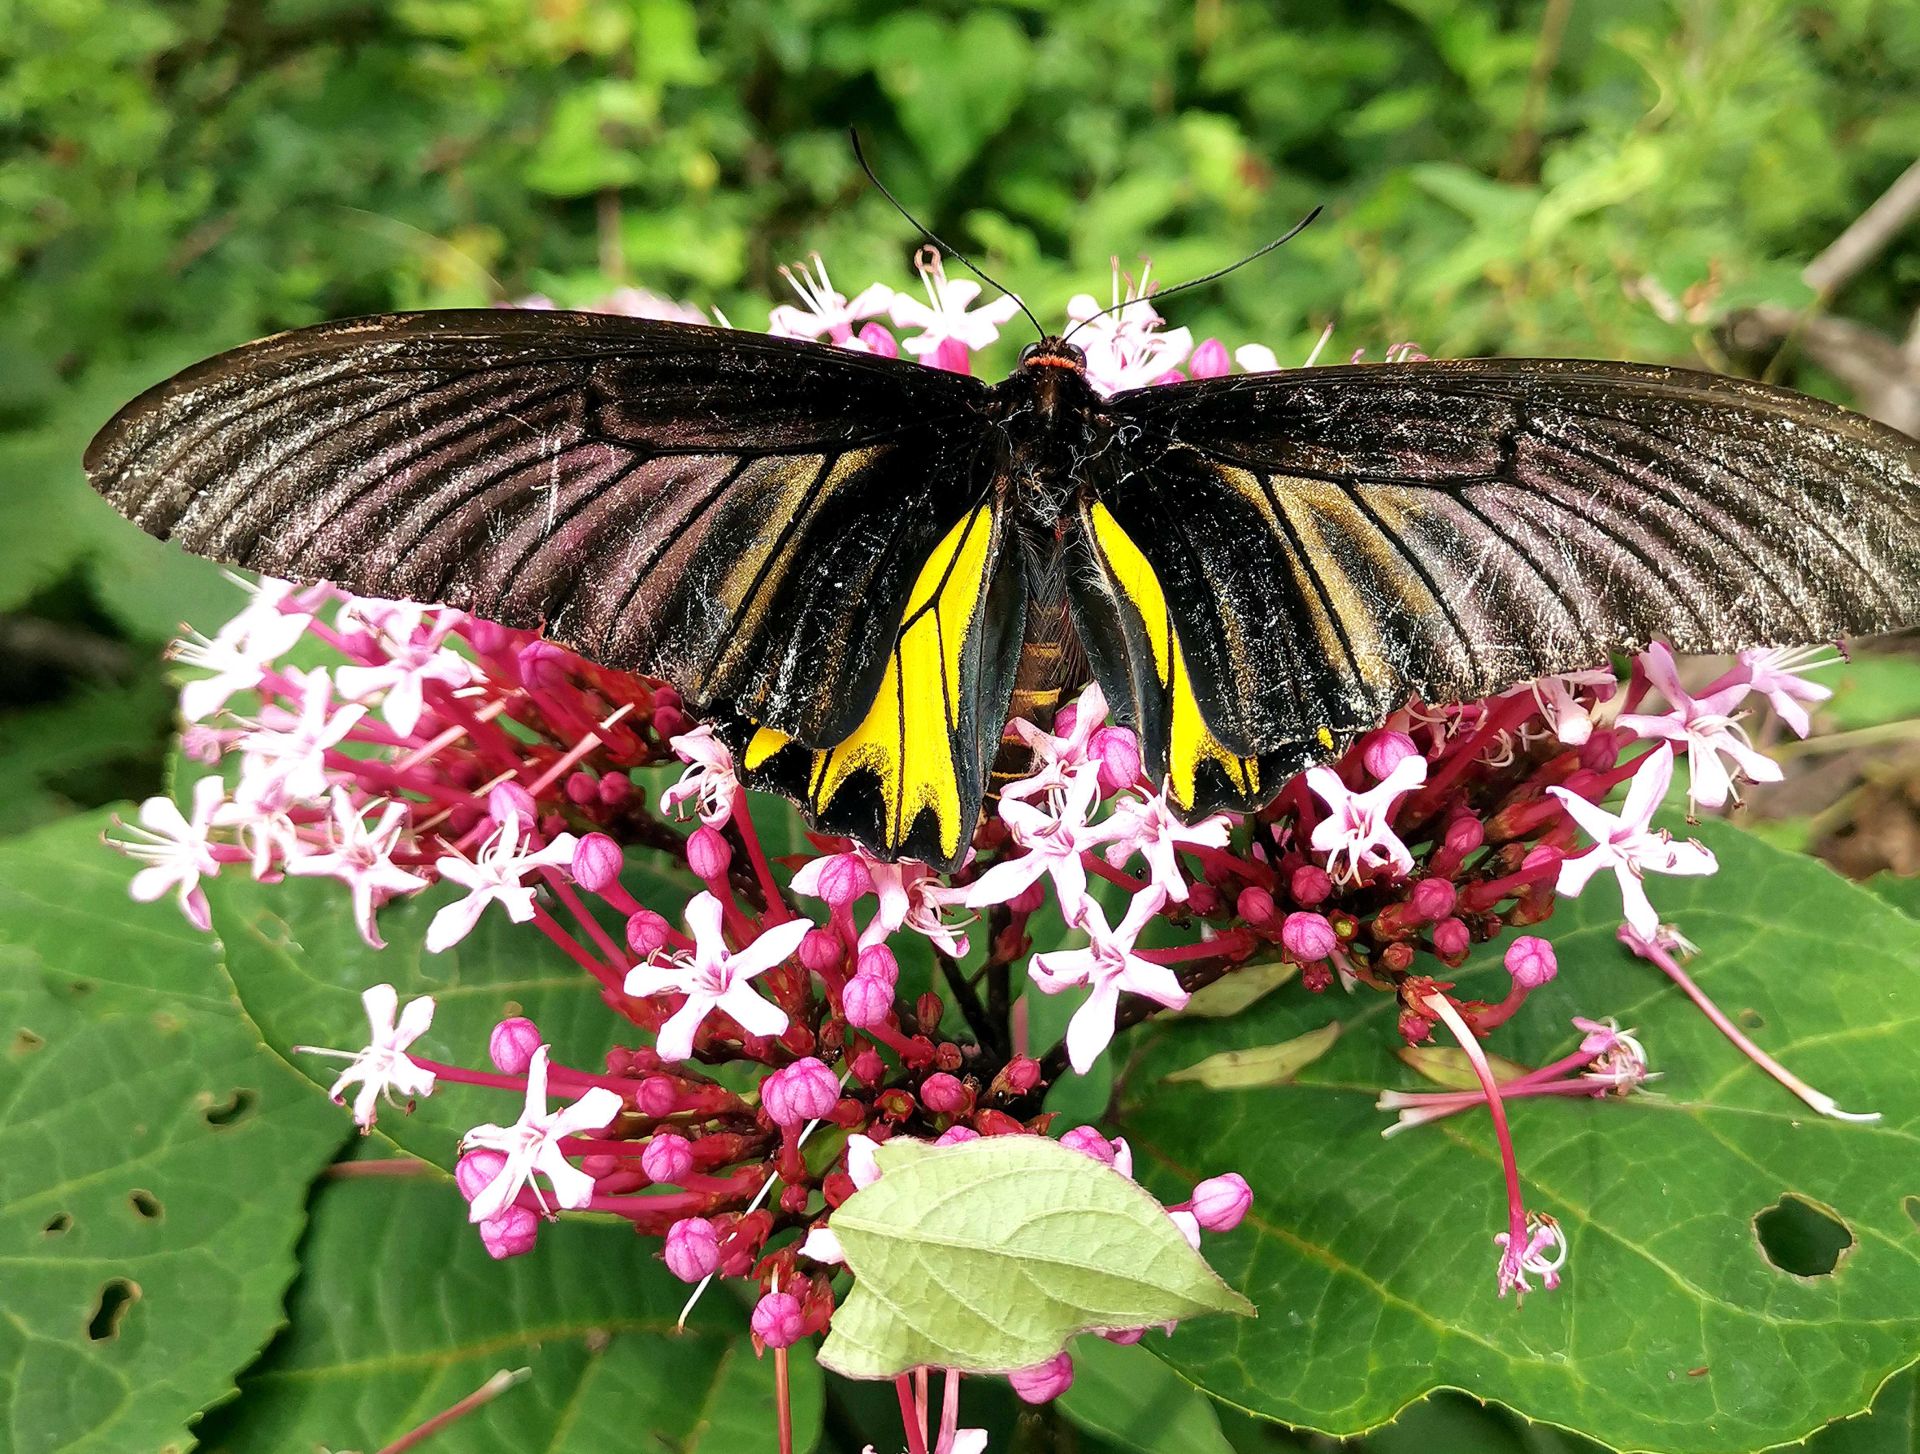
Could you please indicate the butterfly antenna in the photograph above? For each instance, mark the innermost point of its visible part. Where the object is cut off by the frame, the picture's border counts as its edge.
(933, 237)
(1163, 294)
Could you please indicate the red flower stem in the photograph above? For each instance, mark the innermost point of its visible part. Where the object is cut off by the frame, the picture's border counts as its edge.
(915, 1428)
(1443, 1010)
(782, 1400)
(610, 979)
(1819, 1100)
(460, 1075)
(573, 755)
(742, 820)
(563, 891)
(485, 1394)
(1100, 867)
(1219, 860)
(1234, 941)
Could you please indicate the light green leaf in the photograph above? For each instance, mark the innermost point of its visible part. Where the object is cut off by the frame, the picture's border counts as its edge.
(1132, 1399)
(988, 1256)
(154, 1160)
(1262, 1064)
(1372, 1261)
(400, 1312)
(1248, 984)
(1448, 1066)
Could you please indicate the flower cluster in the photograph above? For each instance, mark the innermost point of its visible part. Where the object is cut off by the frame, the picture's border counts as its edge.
(436, 751)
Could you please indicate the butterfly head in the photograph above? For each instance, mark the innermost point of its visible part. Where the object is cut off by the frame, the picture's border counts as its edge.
(1053, 353)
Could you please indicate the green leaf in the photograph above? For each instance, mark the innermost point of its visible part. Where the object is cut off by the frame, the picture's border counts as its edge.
(1372, 1261)
(1872, 689)
(952, 84)
(1447, 1066)
(988, 1256)
(154, 1160)
(1246, 985)
(298, 966)
(1128, 1396)
(1902, 890)
(1893, 1426)
(399, 1313)
(1260, 1065)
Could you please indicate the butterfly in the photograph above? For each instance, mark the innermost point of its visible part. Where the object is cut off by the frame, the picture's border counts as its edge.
(858, 566)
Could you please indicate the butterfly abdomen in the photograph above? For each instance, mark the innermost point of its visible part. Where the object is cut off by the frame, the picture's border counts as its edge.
(1052, 666)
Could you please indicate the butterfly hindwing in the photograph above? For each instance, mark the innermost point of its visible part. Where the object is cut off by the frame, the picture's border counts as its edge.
(743, 516)
(909, 778)
(1327, 543)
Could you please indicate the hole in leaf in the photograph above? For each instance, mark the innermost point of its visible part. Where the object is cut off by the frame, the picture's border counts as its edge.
(111, 1310)
(79, 988)
(1798, 1237)
(1751, 1020)
(59, 1222)
(1912, 1207)
(25, 1042)
(145, 1204)
(236, 1107)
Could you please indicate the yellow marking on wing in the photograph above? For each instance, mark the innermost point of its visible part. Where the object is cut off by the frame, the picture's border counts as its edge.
(1308, 503)
(1325, 737)
(764, 743)
(907, 740)
(1190, 741)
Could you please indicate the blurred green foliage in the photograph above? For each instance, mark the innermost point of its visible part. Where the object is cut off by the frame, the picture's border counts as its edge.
(1511, 176)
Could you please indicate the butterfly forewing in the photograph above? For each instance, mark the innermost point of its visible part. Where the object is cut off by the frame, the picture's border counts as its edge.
(1329, 542)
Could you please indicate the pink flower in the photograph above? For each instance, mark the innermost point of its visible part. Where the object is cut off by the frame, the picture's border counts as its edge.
(1146, 825)
(1542, 1255)
(1108, 965)
(693, 1249)
(1628, 845)
(1220, 1202)
(1125, 348)
(362, 858)
(382, 1067)
(1531, 961)
(494, 876)
(667, 1156)
(532, 1144)
(1570, 718)
(713, 977)
(1774, 672)
(1707, 727)
(1054, 841)
(778, 1320)
(1045, 1381)
(1356, 827)
(825, 311)
(708, 781)
(240, 653)
(287, 763)
(413, 641)
(912, 896)
(1058, 759)
(176, 850)
(512, 1045)
(949, 312)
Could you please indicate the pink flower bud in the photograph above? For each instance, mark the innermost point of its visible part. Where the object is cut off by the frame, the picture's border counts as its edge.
(868, 1067)
(1203, 898)
(1464, 834)
(1255, 905)
(669, 722)
(1022, 1074)
(1089, 1142)
(955, 1135)
(1044, 1381)
(866, 1000)
(879, 340)
(820, 951)
(951, 354)
(943, 1094)
(1029, 899)
(798, 1093)
(656, 1096)
(1308, 937)
(1310, 885)
(1531, 962)
(877, 960)
(1432, 898)
(778, 1320)
(509, 1232)
(1541, 855)
(485, 637)
(708, 854)
(581, 789)
(597, 861)
(1383, 751)
(615, 789)
(1415, 1029)
(647, 933)
(1123, 1337)
(474, 1172)
(693, 1249)
(1210, 360)
(844, 878)
(1220, 1202)
(667, 1156)
(512, 1043)
(1451, 939)
(511, 798)
(1066, 719)
(1117, 751)
(545, 667)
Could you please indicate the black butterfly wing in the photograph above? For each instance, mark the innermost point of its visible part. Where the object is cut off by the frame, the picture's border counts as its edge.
(746, 517)
(1315, 547)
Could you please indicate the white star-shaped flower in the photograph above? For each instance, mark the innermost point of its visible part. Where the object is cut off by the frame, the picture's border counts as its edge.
(382, 1068)
(1628, 845)
(713, 977)
(532, 1144)
(494, 876)
(1109, 965)
(362, 858)
(1356, 827)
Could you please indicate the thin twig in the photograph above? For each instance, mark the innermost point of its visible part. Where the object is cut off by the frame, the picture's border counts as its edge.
(505, 1379)
(1866, 235)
